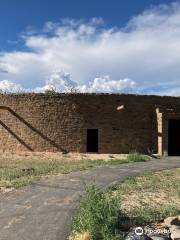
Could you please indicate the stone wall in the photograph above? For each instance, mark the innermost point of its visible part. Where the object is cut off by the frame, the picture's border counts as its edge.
(41, 122)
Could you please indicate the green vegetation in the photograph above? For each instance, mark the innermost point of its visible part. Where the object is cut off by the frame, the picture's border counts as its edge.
(98, 215)
(150, 197)
(136, 157)
(51, 91)
(141, 200)
(17, 173)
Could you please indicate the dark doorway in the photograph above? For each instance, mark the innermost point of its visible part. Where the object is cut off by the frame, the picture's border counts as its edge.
(174, 137)
(92, 140)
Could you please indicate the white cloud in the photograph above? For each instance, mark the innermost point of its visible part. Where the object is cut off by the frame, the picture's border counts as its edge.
(7, 68)
(146, 50)
(58, 81)
(106, 84)
(8, 86)
(61, 82)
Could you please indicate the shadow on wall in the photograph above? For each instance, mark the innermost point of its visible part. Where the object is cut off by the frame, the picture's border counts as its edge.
(47, 139)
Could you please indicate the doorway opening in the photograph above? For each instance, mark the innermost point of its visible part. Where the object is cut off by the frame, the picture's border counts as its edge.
(92, 140)
(174, 137)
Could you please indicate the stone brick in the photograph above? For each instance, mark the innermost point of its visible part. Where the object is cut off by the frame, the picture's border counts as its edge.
(42, 122)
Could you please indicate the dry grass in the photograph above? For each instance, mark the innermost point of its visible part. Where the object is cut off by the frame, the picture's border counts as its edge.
(17, 170)
(71, 156)
(138, 201)
(81, 236)
(155, 190)
(154, 200)
(151, 196)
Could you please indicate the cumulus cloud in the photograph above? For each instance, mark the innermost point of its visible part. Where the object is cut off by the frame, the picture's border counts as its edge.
(146, 50)
(10, 87)
(59, 82)
(106, 85)
(62, 82)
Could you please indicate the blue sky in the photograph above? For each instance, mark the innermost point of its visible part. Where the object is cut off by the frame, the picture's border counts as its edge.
(17, 15)
(91, 46)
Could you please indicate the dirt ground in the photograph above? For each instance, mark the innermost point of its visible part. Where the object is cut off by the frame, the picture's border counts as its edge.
(59, 156)
(155, 190)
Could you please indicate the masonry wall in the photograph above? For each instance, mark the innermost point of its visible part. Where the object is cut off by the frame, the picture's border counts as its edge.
(39, 122)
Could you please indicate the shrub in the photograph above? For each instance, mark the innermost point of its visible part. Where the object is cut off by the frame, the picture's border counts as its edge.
(51, 91)
(98, 215)
(137, 157)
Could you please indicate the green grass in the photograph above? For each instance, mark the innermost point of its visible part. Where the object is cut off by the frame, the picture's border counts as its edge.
(145, 199)
(136, 157)
(17, 173)
(98, 215)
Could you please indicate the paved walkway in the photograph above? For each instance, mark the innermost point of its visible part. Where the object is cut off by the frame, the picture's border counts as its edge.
(43, 210)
